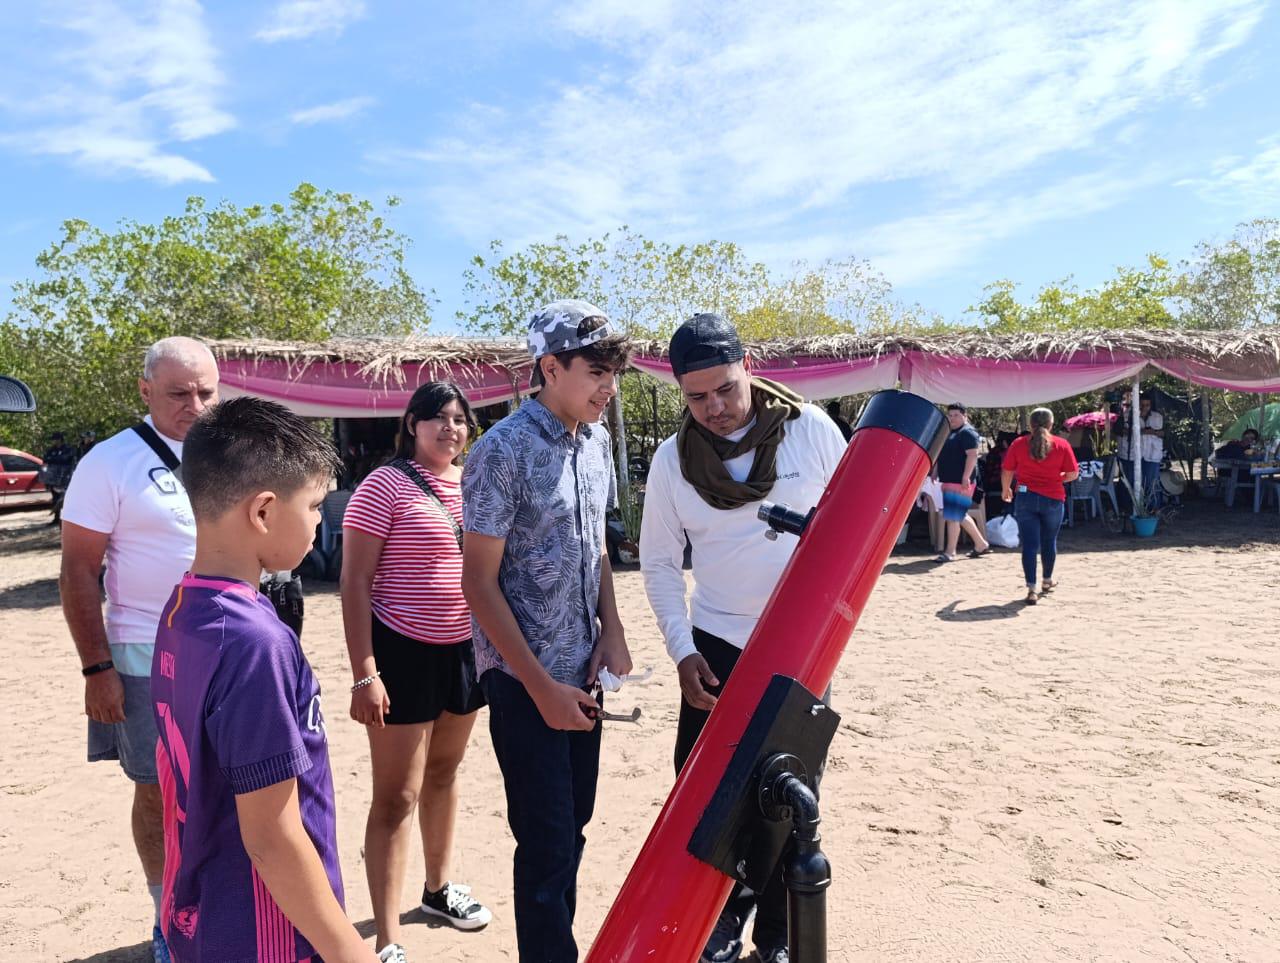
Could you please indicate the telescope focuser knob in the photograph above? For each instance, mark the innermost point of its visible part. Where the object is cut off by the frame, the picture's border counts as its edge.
(782, 518)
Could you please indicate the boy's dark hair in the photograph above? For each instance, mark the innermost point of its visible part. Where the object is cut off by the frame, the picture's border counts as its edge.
(613, 351)
(246, 445)
(958, 406)
(426, 404)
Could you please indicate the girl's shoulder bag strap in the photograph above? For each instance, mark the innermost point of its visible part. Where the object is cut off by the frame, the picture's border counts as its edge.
(402, 465)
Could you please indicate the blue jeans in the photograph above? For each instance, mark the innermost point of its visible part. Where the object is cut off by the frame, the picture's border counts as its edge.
(1039, 519)
(550, 778)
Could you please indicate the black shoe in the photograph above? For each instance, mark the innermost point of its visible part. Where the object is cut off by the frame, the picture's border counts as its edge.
(454, 904)
(776, 954)
(725, 944)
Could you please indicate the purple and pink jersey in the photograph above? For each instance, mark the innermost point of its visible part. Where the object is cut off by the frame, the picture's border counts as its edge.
(238, 709)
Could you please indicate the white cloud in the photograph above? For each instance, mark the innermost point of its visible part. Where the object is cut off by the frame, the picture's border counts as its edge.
(917, 248)
(299, 19)
(129, 85)
(698, 118)
(1248, 181)
(338, 110)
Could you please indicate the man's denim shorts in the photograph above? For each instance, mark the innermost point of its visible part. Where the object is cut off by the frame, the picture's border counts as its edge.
(132, 742)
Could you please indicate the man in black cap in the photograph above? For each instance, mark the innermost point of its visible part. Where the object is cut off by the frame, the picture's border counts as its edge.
(742, 439)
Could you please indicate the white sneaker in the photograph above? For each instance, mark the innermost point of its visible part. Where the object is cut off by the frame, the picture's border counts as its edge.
(392, 953)
(454, 904)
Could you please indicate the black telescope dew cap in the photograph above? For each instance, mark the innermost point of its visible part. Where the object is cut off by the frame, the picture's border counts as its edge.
(15, 396)
(909, 415)
(704, 341)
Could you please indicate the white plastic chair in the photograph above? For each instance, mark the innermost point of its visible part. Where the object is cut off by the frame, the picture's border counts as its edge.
(1107, 483)
(1083, 490)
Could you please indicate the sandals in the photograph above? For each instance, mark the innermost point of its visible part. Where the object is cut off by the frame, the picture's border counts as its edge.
(1047, 586)
(1032, 598)
(944, 557)
(974, 553)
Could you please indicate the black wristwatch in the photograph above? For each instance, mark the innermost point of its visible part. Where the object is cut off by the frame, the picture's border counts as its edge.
(89, 670)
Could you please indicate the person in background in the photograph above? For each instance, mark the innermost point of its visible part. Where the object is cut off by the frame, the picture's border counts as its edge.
(408, 633)
(990, 470)
(88, 438)
(957, 470)
(833, 412)
(1042, 463)
(1246, 447)
(59, 463)
(1147, 447)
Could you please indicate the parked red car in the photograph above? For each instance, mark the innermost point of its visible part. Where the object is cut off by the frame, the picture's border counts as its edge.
(20, 482)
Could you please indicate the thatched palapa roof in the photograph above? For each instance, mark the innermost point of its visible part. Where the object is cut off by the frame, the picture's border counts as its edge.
(393, 360)
(1256, 344)
(382, 360)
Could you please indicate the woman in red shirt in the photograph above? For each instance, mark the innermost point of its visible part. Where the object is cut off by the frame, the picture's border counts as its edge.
(1043, 463)
(408, 632)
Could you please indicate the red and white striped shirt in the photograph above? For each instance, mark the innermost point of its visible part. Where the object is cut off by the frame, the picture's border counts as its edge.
(417, 588)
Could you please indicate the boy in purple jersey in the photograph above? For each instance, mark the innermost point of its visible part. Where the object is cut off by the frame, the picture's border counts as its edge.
(251, 854)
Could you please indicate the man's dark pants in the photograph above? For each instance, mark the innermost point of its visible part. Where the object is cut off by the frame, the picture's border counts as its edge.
(550, 778)
(770, 928)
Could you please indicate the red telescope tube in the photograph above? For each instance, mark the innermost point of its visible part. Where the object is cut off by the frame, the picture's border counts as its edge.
(670, 900)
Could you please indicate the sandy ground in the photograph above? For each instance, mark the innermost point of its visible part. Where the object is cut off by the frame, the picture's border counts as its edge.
(1092, 778)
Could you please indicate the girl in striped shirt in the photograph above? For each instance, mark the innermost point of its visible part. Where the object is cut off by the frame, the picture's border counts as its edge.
(408, 633)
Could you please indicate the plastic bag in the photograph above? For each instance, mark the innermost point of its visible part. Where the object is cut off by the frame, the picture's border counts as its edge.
(1003, 531)
(930, 491)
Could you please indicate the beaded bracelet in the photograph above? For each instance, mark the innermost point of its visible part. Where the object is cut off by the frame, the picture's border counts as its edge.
(367, 680)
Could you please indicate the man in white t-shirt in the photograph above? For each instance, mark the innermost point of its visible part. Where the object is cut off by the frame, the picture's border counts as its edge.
(125, 506)
(742, 440)
(1148, 447)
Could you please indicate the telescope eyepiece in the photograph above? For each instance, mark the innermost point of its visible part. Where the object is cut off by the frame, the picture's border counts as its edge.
(782, 518)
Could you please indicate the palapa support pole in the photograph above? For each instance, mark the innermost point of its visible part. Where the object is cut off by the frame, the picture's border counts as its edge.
(620, 439)
(670, 900)
(1135, 446)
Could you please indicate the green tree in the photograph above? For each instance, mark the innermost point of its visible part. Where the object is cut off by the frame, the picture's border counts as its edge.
(322, 264)
(1133, 298)
(1235, 284)
(652, 286)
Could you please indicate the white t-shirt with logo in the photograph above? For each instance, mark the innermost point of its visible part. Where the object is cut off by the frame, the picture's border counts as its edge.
(122, 489)
(735, 568)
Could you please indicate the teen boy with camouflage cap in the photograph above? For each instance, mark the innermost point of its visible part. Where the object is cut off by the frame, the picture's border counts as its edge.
(536, 575)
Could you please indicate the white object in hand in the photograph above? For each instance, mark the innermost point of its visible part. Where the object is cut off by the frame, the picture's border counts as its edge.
(612, 683)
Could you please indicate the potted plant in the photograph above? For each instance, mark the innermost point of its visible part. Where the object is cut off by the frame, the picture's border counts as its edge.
(1146, 509)
(629, 512)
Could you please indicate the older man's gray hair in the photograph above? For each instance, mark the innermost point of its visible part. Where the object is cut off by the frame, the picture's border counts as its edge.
(180, 349)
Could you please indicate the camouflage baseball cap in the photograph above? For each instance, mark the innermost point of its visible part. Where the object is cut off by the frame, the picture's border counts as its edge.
(564, 326)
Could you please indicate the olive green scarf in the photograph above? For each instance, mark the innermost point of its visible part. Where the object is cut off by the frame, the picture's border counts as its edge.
(703, 453)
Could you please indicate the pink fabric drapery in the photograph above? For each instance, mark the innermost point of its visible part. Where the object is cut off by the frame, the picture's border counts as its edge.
(1258, 377)
(811, 378)
(341, 390)
(1000, 383)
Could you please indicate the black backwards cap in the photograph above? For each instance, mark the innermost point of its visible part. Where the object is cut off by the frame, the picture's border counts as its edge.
(704, 341)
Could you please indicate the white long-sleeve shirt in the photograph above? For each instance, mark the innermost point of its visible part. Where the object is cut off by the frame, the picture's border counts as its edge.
(735, 568)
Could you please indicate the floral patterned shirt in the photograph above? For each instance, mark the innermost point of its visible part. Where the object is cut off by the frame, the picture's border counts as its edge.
(546, 492)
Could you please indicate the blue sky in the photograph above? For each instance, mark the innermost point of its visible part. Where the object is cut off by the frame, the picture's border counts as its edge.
(951, 144)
